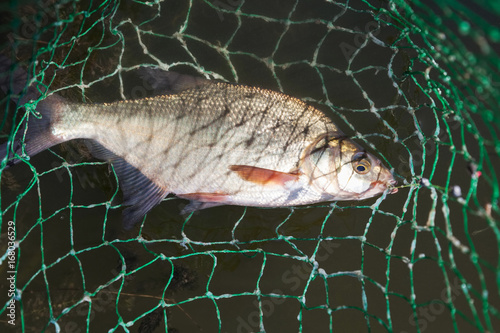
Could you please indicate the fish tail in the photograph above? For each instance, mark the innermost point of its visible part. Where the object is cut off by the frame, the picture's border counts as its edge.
(35, 133)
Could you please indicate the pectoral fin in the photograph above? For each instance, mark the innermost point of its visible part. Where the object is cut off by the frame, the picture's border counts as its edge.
(264, 176)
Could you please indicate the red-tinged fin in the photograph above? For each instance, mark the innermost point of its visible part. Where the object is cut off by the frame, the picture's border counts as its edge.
(203, 200)
(140, 193)
(205, 197)
(35, 134)
(264, 176)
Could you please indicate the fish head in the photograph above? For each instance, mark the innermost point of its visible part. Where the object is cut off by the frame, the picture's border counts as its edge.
(340, 169)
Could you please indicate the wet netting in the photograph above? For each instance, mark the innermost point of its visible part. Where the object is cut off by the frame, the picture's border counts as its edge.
(415, 82)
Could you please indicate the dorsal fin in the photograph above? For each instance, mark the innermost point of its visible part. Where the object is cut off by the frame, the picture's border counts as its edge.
(166, 82)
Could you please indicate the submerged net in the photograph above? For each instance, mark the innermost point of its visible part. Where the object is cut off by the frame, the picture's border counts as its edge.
(416, 83)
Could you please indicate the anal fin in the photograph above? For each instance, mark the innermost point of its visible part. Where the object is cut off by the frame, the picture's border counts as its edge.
(203, 200)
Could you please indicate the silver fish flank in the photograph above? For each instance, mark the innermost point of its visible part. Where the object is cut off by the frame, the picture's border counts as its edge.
(212, 143)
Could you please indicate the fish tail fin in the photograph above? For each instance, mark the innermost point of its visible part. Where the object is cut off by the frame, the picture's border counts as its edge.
(35, 132)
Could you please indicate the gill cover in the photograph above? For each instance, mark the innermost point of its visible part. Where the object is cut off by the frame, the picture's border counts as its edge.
(319, 161)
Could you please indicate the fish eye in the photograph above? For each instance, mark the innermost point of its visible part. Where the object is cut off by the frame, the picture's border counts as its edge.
(361, 164)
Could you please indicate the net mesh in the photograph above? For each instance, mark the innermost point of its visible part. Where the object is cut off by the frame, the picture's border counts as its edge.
(417, 83)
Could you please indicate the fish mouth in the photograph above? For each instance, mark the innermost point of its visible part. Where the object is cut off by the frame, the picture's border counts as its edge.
(384, 185)
(391, 187)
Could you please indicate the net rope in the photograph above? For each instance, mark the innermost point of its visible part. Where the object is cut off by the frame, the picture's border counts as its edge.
(416, 83)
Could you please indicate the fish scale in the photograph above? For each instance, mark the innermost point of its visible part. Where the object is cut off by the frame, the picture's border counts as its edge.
(214, 143)
(204, 130)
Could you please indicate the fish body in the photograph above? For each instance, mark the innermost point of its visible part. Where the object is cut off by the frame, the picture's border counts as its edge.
(214, 143)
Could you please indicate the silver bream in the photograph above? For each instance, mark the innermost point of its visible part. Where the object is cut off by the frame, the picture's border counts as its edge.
(212, 143)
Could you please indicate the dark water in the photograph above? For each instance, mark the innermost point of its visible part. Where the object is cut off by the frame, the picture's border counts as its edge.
(237, 269)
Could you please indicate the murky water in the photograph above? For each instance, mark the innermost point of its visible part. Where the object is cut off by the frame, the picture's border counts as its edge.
(236, 269)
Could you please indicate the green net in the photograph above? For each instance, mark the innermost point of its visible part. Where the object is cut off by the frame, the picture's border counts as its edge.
(415, 82)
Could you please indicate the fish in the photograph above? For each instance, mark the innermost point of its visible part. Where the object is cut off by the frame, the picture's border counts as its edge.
(210, 142)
